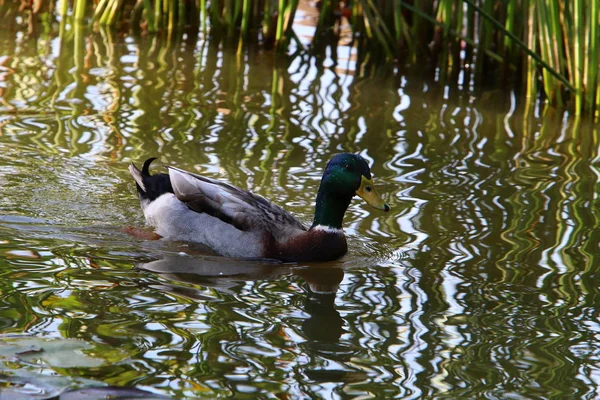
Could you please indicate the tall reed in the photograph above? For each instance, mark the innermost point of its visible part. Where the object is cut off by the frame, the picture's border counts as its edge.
(554, 43)
(550, 46)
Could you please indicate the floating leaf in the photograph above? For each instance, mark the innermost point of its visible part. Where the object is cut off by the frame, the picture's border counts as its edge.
(62, 353)
(21, 384)
(25, 385)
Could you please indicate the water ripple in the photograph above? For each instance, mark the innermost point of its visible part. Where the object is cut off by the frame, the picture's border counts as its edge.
(481, 282)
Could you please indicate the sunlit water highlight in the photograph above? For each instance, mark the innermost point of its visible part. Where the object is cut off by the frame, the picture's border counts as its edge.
(481, 282)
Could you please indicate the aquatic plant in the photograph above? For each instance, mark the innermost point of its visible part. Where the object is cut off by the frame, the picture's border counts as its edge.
(531, 41)
(547, 46)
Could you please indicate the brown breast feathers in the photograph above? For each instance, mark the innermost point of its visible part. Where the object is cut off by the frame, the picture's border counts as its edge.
(313, 245)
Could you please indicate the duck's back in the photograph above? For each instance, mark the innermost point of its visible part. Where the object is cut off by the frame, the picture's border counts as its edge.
(233, 222)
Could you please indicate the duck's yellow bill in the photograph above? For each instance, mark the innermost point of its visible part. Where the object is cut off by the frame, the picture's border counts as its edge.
(368, 194)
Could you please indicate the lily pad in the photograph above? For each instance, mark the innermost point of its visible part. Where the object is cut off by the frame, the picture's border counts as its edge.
(26, 385)
(61, 353)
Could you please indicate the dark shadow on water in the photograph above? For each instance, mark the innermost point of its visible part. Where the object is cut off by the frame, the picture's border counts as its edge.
(224, 273)
(215, 272)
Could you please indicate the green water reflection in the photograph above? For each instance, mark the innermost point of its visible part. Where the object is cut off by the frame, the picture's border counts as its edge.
(481, 282)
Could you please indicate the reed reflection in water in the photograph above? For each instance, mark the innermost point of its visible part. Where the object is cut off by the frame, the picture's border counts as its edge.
(481, 281)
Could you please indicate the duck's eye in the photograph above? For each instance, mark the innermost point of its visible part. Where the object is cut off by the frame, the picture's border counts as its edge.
(348, 167)
(368, 188)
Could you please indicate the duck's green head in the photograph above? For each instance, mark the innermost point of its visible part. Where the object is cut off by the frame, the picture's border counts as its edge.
(345, 176)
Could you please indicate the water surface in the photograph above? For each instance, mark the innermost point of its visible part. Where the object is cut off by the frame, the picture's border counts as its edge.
(481, 282)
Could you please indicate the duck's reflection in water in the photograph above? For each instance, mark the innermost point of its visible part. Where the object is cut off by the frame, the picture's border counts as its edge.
(220, 273)
(322, 329)
(325, 322)
(224, 274)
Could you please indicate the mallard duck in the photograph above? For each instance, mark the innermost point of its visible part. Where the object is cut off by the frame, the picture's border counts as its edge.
(233, 222)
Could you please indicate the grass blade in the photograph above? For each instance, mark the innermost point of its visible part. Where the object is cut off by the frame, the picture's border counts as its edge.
(578, 54)
(522, 45)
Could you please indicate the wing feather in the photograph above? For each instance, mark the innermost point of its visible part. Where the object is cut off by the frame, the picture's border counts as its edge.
(242, 209)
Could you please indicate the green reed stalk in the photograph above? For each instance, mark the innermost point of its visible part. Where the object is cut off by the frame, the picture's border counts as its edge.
(203, 17)
(458, 21)
(519, 43)
(63, 8)
(78, 47)
(578, 54)
(530, 61)
(562, 37)
(291, 13)
(556, 32)
(470, 33)
(115, 11)
(105, 14)
(379, 30)
(215, 17)
(557, 46)
(80, 9)
(110, 13)
(171, 16)
(398, 23)
(443, 14)
(566, 32)
(468, 40)
(227, 14)
(149, 16)
(366, 23)
(181, 11)
(279, 29)
(597, 113)
(510, 27)
(164, 10)
(546, 40)
(401, 27)
(237, 11)
(416, 5)
(441, 37)
(157, 14)
(591, 66)
(459, 18)
(284, 23)
(245, 17)
(486, 26)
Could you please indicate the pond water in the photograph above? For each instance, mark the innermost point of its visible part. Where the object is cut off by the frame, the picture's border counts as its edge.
(482, 281)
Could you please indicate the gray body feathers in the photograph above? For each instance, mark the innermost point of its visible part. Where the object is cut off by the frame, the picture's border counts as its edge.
(231, 221)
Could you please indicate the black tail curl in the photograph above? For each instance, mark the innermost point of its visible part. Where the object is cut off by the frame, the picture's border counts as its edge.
(146, 167)
(154, 185)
